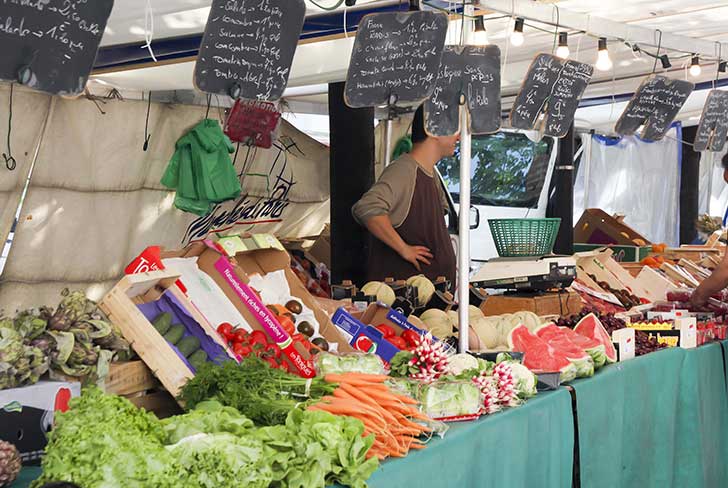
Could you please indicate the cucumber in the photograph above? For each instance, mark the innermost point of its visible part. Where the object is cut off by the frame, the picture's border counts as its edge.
(188, 345)
(162, 322)
(197, 359)
(175, 333)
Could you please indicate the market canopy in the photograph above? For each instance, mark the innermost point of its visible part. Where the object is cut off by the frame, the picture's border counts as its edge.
(328, 36)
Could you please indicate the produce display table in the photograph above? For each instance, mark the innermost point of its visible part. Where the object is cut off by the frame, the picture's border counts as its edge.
(27, 476)
(656, 421)
(529, 446)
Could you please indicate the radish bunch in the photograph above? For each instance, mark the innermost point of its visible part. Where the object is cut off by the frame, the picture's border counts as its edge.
(503, 373)
(489, 387)
(430, 359)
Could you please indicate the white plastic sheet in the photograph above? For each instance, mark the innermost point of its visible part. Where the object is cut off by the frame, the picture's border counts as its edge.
(636, 178)
(713, 192)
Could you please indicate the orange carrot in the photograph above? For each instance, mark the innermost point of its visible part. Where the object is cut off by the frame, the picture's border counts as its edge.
(343, 378)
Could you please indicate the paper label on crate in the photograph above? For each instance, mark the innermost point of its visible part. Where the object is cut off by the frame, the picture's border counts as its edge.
(256, 307)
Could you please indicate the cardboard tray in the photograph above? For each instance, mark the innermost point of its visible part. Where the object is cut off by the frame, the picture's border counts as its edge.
(598, 227)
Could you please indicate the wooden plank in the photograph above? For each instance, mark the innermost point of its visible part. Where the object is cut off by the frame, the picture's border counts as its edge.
(129, 377)
(679, 275)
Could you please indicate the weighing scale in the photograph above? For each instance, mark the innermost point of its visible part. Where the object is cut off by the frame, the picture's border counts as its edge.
(526, 273)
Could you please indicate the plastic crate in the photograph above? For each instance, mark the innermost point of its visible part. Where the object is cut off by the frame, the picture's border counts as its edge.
(524, 237)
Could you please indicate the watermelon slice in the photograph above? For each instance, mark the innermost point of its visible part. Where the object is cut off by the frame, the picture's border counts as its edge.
(591, 327)
(557, 339)
(593, 347)
(539, 356)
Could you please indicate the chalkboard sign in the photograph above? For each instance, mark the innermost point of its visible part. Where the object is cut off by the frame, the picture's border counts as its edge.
(550, 94)
(470, 73)
(51, 45)
(395, 59)
(654, 106)
(713, 127)
(248, 47)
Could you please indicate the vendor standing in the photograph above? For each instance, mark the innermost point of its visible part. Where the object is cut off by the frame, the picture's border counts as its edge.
(718, 280)
(405, 212)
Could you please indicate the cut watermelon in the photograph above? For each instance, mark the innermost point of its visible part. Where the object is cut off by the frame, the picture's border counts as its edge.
(593, 347)
(539, 356)
(557, 339)
(591, 327)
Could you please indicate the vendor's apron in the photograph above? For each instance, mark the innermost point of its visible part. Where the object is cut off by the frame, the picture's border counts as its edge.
(424, 226)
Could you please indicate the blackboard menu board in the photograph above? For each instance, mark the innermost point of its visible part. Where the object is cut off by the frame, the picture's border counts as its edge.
(395, 59)
(654, 106)
(248, 47)
(713, 127)
(550, 94)
(473, 74)
(51, 45)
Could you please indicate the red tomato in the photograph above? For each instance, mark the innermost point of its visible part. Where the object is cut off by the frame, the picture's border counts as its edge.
(225, 330)
(411, 337)
(242, 350)
(272, 362)
(398, 342)
(386, 330)
(258, 337)
(240, 335)
(274, 350)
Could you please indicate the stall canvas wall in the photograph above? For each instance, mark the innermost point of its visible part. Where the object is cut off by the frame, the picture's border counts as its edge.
(638, 179)
(94, 201)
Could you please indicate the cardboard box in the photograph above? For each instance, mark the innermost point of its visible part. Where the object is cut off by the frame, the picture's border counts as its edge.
(232, 274)
(26, 415)
(598, 227)
(564, 303)
(621, 254)
(655, 284)
(363, 337)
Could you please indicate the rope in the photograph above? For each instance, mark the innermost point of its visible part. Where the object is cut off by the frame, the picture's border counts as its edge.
(10, 162)
(147, 135)
(149, 29)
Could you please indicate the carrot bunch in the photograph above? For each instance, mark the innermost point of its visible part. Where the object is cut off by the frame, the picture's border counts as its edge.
(385, 414)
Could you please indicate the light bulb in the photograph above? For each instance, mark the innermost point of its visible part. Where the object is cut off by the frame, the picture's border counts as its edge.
(563, 50)
(517, 35)
(517, 39)
(480, 36)
(604, 63)
(695, 68)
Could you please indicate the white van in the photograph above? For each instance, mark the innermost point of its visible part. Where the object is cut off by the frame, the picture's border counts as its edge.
(510, 178)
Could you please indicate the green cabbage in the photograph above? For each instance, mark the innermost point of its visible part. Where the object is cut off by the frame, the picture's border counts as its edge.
(450, 399)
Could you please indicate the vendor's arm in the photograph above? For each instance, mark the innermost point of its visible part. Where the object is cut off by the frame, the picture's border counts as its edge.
(385, 207)
(713, 284)
(381, 227)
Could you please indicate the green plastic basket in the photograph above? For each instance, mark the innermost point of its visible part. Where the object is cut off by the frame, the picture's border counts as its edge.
(524, 237)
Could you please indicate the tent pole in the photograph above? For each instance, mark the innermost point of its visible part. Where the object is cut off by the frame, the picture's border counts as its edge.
(463, 275)
(388, 142)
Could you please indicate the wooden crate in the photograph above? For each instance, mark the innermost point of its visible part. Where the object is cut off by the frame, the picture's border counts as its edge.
(129, 377)
(656, 284)
(120, 305)
(542, 304)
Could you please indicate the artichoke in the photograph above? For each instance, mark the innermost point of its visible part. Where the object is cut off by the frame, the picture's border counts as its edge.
(30, 324)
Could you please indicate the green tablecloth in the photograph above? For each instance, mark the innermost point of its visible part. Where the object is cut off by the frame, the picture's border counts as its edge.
(656, 421)
(530, 446)
(26, 477)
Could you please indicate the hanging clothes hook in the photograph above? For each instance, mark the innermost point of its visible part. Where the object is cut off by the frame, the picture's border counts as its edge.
(10, 162)
(147, 135)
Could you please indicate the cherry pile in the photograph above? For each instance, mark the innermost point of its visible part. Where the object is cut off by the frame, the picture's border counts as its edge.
(644, 344)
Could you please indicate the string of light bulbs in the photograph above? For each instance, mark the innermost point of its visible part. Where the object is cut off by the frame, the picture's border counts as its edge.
(603, 61)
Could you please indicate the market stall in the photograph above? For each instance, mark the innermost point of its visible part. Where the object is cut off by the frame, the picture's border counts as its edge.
(215, 351)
